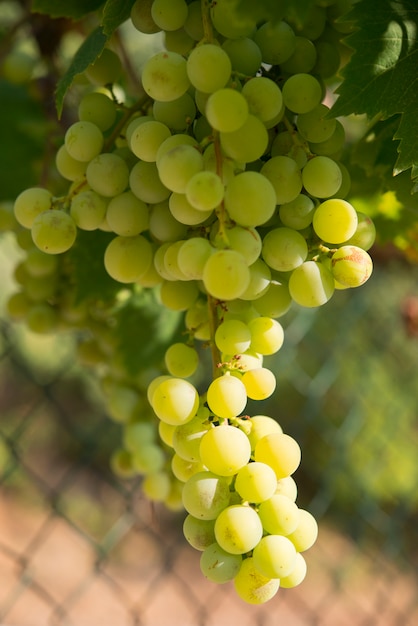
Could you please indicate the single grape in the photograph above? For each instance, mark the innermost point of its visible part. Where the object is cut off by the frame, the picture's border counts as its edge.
(287, 487)
(177, 114)
(177, 166)
(226, 275)
(298, 213)
(106, 69)
(351, 266)
(205, 495)
(199, 533)
(175, 401)
(192, 257)
(279, 514)
(335, 220)
(68, 167)
(233, 337)
(205, 191)
(252, 586)
(305, 533)
(178, 41)
(276, 41)
(238, 529)
(42, 318)
(107, 174)
(267, 335)
(285, 176)
(284, 249)
(88, 210)
(187, 437)
(83, 141)
(275, 302)
(365, 234)
(264, 97)
(126, 259)
(127, 215)
(163, 226)
(218, 565)
(98, 108)
(164, 76)
(156, 486)
(169, 14)
(248, 143)
(247, 241)
(226, 110)
(208, 67)
(226, 397)
(181, 360)
(224, 449)
(250, 199)
(322, 177)
(275, 556)
(311, 284)
(302, 93)
(54, 231)
(244, 54)
(148, 459)
(178, 295)
(229, 21)
(280, 451)
(30, 203)
(147, 138)
(261, 425)
(256, 482)
(184, 212)
(314, 126)
(303, 58)
(141, 17)
(145, 183)
(183, 469)
(297, 575)
(260, 383)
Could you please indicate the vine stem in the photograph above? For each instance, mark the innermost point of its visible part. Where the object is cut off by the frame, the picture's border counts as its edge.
(213, 325)
(123, 120)
(206, 21)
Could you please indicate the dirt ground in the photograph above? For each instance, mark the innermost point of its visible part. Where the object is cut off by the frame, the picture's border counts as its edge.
(145, 574)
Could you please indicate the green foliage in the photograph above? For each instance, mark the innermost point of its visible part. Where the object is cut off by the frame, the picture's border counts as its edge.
(75, 9)
(381, 77)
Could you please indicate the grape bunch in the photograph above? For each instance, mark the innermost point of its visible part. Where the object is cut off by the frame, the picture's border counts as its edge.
(223, 191)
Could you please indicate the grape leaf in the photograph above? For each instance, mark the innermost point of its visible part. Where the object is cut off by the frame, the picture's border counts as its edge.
(297, 10)
(115, 12)
(88, 52)
(88, 272)
(381, 77)
(144, 330)
(74, 9)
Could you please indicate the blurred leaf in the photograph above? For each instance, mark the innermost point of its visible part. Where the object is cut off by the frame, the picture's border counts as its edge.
(115, 12)
(75, 9)
(144, 331)
(88, 52)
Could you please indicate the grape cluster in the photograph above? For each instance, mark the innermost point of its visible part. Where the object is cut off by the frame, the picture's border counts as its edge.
(224, 192)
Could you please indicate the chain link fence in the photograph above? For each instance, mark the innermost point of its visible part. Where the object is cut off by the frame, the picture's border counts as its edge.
(80, 547)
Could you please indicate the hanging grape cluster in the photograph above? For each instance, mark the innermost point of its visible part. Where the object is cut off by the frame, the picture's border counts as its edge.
(224, 193)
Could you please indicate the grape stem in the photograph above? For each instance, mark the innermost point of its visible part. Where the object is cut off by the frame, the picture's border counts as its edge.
(122, 122)
(213, 325)
(207, 23)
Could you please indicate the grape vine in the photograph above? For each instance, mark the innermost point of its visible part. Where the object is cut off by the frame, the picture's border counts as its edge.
(214, 190)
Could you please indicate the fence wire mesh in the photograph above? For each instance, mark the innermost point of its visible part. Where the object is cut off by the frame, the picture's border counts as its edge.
(80, 547)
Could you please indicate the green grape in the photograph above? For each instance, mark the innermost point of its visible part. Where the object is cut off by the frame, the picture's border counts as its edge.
(275, 556)
(170, 261)
(252, 586)
(145, 183)
(314, 22)
(226, 110)
(224, 449)
(83, 141)
(137, 434)
(141, 17)
(321, 177)
(222, 165)
(301, 93)
(314, 126)
(246, 241)
(248, 143)
(178, 295)
(287, 487)
(166, 431)
(280, 451)
(303, 58)
(205, 495)
(194, 23)
(18, 305)
(187, 437)
(127, 215)
(305, 533)
(255, 482)
(199, 533)
(177, 114)
(226, 397)
(97, 108)
(106, 69)
(260, 278)
(233, 337)
(163, 226)
(153, 384)
(53, 232)
(156, 486)
(181, 360)
(335, 220)
(184, 212)
(297, 575)
(40, 288)
(107, 174)
(159, 262)
(88, 210)
(250, 199)
(238, 529)
(42, 318)
(164, 76)
(205, 191)
(244, 54)
(175, 401)
(169, 14)
(275, 302)
(263, 96)
(183, 469)
(261, 425)
(285, 176)
(276, 41)
(8, 221)
(218, 565)
(17, 66)
(298, 213)
(279, 514)
(245, 361)
(267, 335)
(121, 463)
(68, 167)
(30, 203)
(208, 67)
(192, 257)
(147, 138)
(177, 166)
(284, 249)
(178, 41)
(226, 275)
(351, 266)
(365, 234)
(230, 21)
(39, 264)
(259, 383)
(311, 284)
(126, 259)
(179, 139)
(197, 320)
(148, 459)
(333, 144)
(136, 121)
